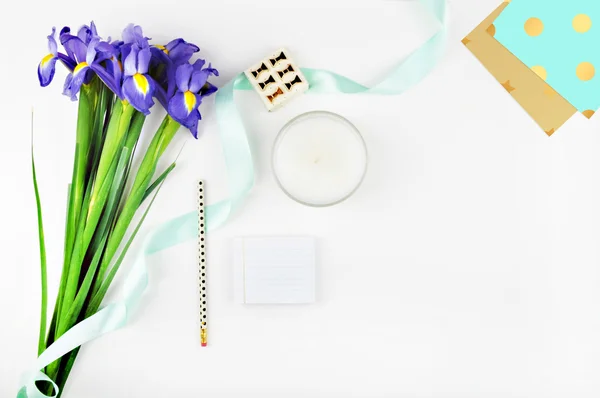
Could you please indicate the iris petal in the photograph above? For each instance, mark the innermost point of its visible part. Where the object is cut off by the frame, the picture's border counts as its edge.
(192, 123)
(90, 54)
(74, 82)
(130, 63)
(177, 108)
(139, 92)
(199, 64)
(64, 36)
(68, 62)
(208, 89)
(64, 31)
(46, 70)
(190, 101)
(178, 111)
(112, 80)
(181, 51)
(212, 70)
(159, 55)
(52, 46)
(85, 34)
(132, 34)
(125, 51)
(115, 69)
(76, 49)
(93, 29)
(182, 77)
(199, 79)
(143, 60)
(104, 51)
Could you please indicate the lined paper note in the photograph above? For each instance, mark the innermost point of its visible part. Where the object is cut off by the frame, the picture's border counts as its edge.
(277, 270)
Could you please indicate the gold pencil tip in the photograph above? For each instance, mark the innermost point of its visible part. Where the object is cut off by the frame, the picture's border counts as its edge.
(203, 337)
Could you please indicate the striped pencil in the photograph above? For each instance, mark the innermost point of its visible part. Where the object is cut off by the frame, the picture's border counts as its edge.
(202, 265)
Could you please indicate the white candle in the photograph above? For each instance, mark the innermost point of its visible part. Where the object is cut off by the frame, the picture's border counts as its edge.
(319, 158)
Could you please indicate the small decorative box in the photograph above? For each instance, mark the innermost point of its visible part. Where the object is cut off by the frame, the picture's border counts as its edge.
(277, 79)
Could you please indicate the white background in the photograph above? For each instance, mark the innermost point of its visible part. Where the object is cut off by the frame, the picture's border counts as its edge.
(467, 265)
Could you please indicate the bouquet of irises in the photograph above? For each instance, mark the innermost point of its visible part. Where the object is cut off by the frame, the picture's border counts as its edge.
(116, 83)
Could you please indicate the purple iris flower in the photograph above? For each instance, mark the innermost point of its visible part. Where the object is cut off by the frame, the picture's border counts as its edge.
(88, 60)
(165, 60)
(125, 66)
(87, 33)
(177, 51)
(47, 66)
(132, 34)
(192, 85)
(138, 87)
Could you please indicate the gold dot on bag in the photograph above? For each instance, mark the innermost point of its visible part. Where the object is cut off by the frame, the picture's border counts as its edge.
(540, 71)
(534, 27)
(582, 23)
(589, 113)
(585, 71)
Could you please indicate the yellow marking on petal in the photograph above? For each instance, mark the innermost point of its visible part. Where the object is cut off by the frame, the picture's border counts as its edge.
(141, 82)
(79, 67)
(161, 47)
(190, 100)
(47, 59)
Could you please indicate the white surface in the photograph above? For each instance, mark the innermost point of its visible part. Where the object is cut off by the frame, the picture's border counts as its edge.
(319, 158)
(466, 265)
(274, 270)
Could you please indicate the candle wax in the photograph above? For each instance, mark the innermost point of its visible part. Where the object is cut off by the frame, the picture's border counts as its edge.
(320, 159)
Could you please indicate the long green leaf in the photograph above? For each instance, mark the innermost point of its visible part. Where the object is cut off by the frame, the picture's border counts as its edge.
(38, 203)
(97, 299)
(161, 139)
(82, 241)
(70, 229)
(117, 129)
(81, 297)
(69, 295)
(85, 123)
(98, 193)
(110, 210)
(61, 369)
(63, 276)
(157, 182)
(62, 377)
(86, 126)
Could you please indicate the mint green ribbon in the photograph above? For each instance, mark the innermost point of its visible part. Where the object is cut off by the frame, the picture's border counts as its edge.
(240, 169)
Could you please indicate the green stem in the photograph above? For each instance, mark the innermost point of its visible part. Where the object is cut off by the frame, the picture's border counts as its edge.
(63, 375)
(87, 99)
(44, 275)
(117, 227)
(117, 129)
(100, 218)
(159, 143)
(99, 296)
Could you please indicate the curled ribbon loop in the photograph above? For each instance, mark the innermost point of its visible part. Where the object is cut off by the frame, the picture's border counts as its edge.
(240, 169)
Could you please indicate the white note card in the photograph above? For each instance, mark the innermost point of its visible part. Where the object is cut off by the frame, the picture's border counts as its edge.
(274, 270)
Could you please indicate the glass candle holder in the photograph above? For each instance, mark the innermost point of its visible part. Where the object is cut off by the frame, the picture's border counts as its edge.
(319, 159)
